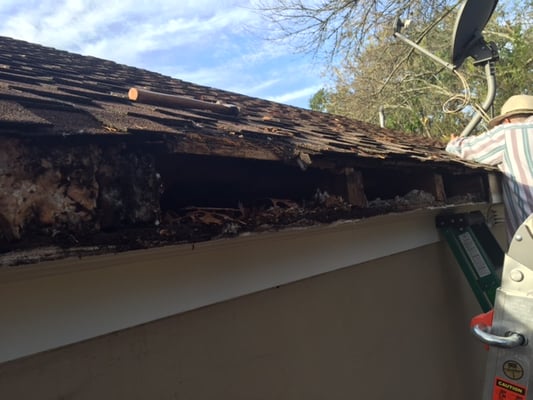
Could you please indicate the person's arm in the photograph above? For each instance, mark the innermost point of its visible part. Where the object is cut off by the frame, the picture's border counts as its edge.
(486, 148)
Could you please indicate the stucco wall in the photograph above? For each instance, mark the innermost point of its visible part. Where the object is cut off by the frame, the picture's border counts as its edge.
(393, 328)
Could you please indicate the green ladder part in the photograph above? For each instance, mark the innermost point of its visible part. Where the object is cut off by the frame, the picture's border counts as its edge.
(476, 250)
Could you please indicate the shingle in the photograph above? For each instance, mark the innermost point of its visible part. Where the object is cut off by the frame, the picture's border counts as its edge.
(76, 94)
(102, 162)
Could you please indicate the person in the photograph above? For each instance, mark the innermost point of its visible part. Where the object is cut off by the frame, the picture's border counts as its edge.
(508, 144)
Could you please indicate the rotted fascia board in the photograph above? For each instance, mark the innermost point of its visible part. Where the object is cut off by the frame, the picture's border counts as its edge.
(53, 304)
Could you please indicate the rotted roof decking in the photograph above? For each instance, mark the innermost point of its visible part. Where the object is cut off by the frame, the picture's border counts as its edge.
(50, 98)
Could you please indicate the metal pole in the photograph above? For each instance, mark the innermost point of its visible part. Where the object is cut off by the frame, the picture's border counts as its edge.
(381, 117)
(490, 74)
(424, 51)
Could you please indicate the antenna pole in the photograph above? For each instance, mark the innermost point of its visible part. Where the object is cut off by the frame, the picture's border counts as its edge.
(424, 51)
(381, 117)
(490, 74)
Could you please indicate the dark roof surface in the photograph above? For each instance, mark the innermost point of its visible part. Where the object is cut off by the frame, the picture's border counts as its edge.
(44, 91)
(89, 170)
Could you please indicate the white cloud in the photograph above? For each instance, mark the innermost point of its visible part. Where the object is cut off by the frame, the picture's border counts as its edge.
(78, 24)
(300, 94)
(209, 42)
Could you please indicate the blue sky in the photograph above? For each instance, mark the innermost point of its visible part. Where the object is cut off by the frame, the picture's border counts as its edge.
(218, 43)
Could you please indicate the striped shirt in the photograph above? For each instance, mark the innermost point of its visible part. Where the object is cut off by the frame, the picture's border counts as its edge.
(510, 148)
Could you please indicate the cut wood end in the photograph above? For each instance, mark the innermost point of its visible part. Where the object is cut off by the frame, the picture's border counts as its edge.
(133, 94)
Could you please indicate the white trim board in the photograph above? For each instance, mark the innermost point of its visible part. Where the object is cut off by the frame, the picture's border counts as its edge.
(56, 303)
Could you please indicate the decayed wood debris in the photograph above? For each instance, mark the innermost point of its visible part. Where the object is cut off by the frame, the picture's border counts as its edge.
(86, 196)
(83, 169)
(55, 189)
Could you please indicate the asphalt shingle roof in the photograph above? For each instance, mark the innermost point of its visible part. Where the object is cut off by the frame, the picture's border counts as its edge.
(82, 165)
(44, 91)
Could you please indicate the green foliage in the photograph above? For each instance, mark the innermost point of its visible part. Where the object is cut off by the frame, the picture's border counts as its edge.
(411, 88)
(513, 34)
(320, 100)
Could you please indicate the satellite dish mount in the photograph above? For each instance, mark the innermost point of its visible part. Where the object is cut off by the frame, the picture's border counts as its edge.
(467, 41)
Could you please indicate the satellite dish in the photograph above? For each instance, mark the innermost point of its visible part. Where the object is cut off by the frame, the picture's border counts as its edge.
(467, 40)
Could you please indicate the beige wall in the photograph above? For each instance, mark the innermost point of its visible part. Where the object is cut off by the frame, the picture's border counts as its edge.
(393, 328)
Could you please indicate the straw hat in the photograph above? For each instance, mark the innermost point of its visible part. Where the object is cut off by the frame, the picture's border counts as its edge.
(519, 104)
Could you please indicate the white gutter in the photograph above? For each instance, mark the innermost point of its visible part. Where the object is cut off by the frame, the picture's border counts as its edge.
(57, 303)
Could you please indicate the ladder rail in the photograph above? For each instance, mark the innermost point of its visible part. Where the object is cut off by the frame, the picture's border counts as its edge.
(477, 252)
(485, 300)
